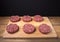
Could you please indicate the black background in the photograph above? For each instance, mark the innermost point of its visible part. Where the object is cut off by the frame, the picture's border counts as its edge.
(29, 7)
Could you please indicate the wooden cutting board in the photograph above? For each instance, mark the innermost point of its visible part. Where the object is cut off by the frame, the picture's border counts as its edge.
(36, 34)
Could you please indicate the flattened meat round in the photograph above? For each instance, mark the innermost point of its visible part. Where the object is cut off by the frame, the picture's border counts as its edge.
(38, 18)
(12, 28)
(44, 28)
(15, 18)
(28, 28)
(26, 18)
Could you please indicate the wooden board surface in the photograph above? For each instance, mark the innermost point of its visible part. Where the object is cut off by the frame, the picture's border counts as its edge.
(36, 34)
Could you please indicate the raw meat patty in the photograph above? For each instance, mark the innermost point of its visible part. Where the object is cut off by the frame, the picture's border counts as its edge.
(38, 18)
(26, 18)
(15, 18)
(44, 28)
(28, 28)
(12, 28)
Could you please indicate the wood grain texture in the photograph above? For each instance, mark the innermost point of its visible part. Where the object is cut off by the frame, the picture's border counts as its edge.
(55, 20)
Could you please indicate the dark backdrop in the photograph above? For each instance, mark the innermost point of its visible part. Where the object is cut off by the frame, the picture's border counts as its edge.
(29, 7)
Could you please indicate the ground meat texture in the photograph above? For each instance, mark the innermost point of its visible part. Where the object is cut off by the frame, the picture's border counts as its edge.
(12, 28)
(26, 18)
(44, 28)
(15, 18)
(38, 18)
(28, 28)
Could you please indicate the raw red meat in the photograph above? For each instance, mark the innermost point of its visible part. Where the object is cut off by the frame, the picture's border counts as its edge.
(26, 18)
(12, 28)
(15, 18)
(44, 28)
(28, 28)
(38, 18)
